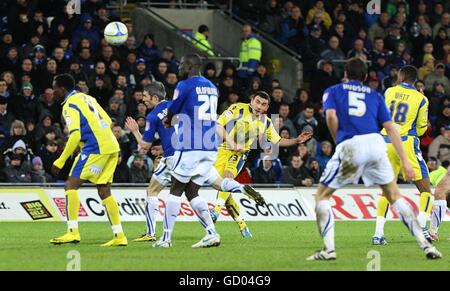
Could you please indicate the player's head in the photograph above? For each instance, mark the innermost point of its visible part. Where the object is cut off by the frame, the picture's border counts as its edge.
(153, 94)
(190, 65)
(356, 69)
(260, 102)
(408, 74)
(61, 85)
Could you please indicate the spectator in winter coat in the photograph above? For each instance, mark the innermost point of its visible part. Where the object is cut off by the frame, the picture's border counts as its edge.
(38, 174)
(326, 152)
(122, 173)
(297, 174)
(149, 51)
(440, 147)
(86, 29)
(265, 173)
(139, 172)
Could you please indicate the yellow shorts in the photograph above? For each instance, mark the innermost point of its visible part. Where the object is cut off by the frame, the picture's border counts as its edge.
(229, 161)
(411, 146)
(96, 168)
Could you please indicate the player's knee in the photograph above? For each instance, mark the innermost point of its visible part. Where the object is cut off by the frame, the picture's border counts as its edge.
(104, 191)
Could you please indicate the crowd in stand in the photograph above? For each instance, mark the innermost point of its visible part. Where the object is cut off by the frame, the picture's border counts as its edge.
(40, 39)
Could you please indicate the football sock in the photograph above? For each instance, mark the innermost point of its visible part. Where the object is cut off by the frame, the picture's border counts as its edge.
(72, 208)
(409, 219)
(220, 202)
(173, 206)
(230, 185)
(151, 210)
(425, 207)
(382, 211)
(201, 209)
(438, 214)
(235, 212)
(112, 210)
(325, 221)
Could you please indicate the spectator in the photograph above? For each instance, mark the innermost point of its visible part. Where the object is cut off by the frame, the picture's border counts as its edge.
(323, 79)
(379, 50)
(86, 29)
(439, 42)
(171, 84)
(284, 113)
(285, 152)
(293, 29)
(344, 38)
(25, 105)
(227, 86)
(161, 71)
(444, 23)
(333, 52)
(200, 40)
(316, 44)
(37, 173)
(319, 9)
(265, 173)
(232, 98)
(437, 76)
(149, 51)
(299, 103)
(6, 117)
(297, 174)
(306, 118)
(314, 171)
(255, 85)
(168, 54)
(49, 154)
(100, 71)
(380, 28)
(261, 73)
(436, 99)
(271, 17)
(139, 171)
(124, 141)
(440, 147)
(75, 70)
(122, 173)
(100, 92)
(358, 51)
(277, 99)
(427, 68)
(326, 152)
(250, 54)
(17, 171)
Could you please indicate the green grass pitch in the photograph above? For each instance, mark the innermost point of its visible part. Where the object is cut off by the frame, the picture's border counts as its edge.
(275, 246)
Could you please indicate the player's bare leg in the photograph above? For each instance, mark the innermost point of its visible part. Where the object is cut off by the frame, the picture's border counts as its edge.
(441, 200)
(325, 223)
(151, 210)
(409, 219)
(72, 207)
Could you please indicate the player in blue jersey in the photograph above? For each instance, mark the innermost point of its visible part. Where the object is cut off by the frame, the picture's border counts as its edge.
(355, 115)
(154, 98)
(195, 106)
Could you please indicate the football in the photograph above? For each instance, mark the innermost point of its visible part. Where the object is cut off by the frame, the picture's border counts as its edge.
(116, 33)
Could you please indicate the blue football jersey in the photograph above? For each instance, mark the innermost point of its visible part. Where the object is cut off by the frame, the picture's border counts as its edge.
(360, 109)
(155, 126)
(195, 103)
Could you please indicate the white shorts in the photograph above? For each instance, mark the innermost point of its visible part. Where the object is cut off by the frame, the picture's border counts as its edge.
(363, 156)
(195, 166)
(162, 172)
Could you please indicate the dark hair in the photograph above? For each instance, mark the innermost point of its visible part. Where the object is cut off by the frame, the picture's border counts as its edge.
(309, 105)
(65, 81)
(356, 69)
(410, 74)
(202, 28)
(261, 94)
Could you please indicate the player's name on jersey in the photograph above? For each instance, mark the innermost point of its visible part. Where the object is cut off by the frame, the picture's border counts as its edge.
(356, 88)
(206, 90)
(401, 96)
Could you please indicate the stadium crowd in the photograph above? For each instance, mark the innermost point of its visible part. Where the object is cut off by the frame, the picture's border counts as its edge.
(39, 40)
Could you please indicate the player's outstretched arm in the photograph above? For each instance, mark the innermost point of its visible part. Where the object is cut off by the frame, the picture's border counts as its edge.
(302, 138)
(71, 146)
(134, 128)
(397, 143)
